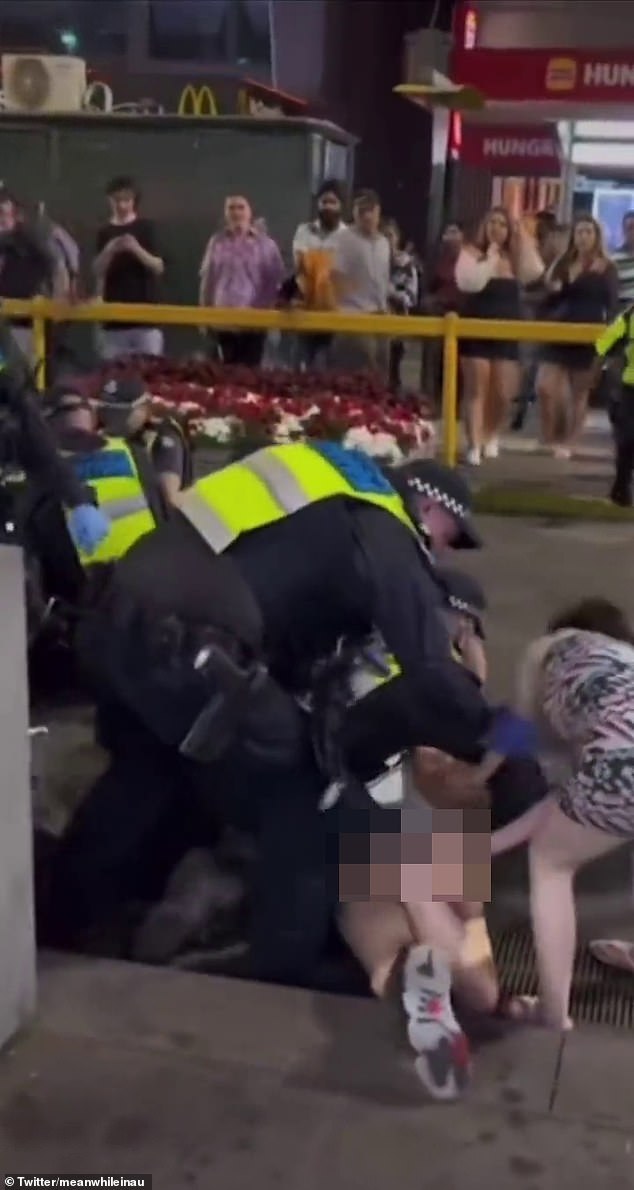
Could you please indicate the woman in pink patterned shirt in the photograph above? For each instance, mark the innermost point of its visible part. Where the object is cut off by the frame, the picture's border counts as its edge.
(242, 268)
(577, 684)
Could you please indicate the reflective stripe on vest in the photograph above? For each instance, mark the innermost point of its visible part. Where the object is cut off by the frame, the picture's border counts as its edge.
(119, 491)
(277, 481)
(366, 676)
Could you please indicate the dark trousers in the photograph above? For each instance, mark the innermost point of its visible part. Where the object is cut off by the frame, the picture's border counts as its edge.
(623, 425)
(293, 886)
(242, 347)
(151, 806)
(134, 824)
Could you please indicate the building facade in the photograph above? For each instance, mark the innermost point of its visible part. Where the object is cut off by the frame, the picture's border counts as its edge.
(342, 59)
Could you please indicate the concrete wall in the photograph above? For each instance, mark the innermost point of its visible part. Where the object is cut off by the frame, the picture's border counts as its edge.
(555, 24)
(17, 935)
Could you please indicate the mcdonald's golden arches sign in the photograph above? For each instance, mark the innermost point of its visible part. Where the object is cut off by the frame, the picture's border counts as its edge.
(197, 101)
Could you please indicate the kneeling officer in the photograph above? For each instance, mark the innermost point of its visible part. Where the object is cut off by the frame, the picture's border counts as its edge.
(211, 627)
(110, 463)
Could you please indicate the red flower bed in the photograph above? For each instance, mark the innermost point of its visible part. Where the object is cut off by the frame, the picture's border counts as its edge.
(237, 403)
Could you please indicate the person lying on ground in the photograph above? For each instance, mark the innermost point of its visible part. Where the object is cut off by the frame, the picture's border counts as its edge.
(422, 929)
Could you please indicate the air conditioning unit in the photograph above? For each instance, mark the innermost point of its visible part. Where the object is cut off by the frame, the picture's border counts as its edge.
(43, 83)
(426, 54)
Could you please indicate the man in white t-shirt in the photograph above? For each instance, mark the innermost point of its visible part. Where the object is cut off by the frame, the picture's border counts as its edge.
(321, 234)
(364, 268)
(323, 231)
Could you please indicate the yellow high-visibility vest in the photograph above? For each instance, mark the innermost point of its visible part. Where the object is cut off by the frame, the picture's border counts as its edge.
(277, 481)
(113, 475)
(619, 333)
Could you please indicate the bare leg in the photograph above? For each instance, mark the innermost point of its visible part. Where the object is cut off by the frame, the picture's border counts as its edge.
(521, 829)
(503, 389)
(580, 389)
(552, 389)
(377, 933)
(557, 850)
(435, 923)
(477, 378)
(475, 978)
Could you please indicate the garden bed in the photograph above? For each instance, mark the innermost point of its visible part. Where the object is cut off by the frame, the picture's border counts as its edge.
(236, 408)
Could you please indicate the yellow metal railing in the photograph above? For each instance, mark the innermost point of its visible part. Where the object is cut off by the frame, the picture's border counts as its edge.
(451, 329)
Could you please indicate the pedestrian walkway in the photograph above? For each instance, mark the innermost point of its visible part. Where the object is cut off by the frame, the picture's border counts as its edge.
(205, 1082)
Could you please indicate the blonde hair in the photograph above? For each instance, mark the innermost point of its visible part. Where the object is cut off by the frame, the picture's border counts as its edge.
(562, 266)
(512, 246)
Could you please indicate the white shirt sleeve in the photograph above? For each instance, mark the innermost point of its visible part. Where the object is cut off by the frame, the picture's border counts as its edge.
(301, 240)
(472, 275)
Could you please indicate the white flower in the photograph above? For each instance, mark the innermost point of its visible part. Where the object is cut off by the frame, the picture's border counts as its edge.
(358, 438)
(219, 429)
(379, 446)
(288, 428)
(385, 446)
(425, 433)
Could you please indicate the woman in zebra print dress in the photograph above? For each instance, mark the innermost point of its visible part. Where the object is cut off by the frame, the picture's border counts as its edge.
(577, 683)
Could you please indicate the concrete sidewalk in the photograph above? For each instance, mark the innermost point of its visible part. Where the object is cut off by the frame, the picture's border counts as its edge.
(213, 1083)
(523, 463)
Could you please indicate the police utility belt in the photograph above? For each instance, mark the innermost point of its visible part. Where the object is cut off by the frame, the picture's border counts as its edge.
(338, 684)
(230, 684)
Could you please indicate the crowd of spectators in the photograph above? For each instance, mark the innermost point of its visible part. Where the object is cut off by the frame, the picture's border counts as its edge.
(356, 264)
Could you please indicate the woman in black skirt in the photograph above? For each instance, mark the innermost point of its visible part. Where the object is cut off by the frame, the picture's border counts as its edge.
(583, 287)
(490, 271)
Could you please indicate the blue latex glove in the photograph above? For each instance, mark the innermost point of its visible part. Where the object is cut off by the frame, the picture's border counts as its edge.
(88, 527)
(512, 735)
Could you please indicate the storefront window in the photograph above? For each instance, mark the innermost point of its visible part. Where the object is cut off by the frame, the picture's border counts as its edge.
(84, 28)
(227, 31)
(189, 30)
(253, 32)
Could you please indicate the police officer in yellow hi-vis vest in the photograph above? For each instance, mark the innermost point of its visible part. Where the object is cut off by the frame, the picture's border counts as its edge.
(211, 639)
(125, 410)
(117, 474)
(618, 338)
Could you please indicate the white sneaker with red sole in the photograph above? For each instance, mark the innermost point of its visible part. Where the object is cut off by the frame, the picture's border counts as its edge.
(444, 1062)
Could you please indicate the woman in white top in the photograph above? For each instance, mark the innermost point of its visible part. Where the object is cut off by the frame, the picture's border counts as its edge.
(490, 271)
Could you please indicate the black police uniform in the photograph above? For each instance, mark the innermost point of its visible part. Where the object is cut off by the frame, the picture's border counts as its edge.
(46, 526)
(337, 568)
(163, 441)
(617, 337)
(28, 442)
(169, 449)
(519, 782)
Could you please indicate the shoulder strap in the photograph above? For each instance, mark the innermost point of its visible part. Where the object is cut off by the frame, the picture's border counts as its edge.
(152, 491)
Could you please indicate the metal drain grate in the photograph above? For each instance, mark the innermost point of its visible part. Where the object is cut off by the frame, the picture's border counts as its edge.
(600, 995)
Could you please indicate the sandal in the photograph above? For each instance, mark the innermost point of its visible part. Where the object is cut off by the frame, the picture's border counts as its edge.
(613, 953)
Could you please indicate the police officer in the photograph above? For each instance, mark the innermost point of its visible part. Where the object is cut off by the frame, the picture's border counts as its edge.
(113, 468)
(26, 441)
(212, 626)
(125, 408)
(520, 782)
(619, 337)
(466, 605)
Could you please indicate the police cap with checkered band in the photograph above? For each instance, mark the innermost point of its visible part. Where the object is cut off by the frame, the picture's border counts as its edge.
(463, 595)
(429, 480)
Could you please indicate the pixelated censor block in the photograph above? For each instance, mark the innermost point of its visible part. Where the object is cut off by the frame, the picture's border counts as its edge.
(416, 854)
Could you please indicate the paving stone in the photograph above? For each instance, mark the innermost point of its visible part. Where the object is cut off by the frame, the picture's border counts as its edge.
(451, 1148)
(595, 1081)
